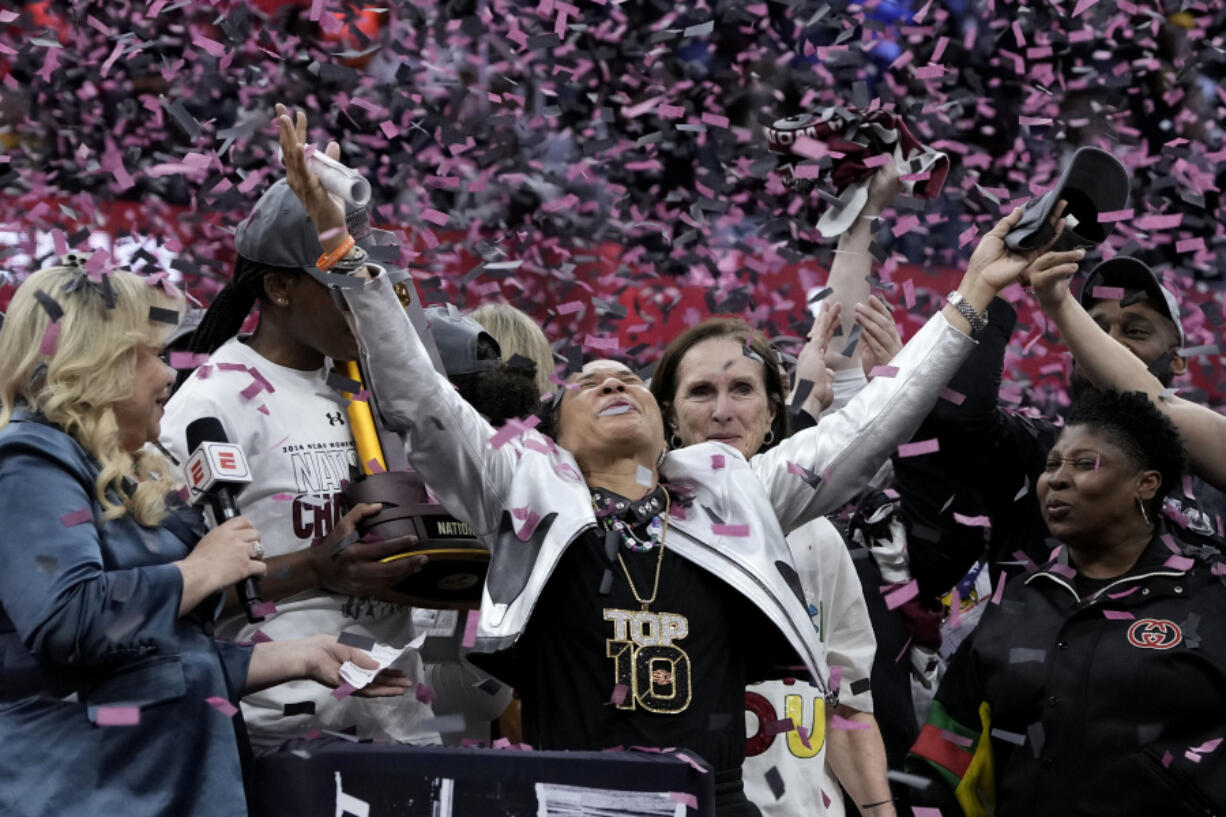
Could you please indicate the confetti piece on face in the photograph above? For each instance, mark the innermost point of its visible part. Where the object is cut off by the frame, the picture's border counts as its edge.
(80, 517)
(1108, 293)
(117, 716)
(920, 448)
(222, 705)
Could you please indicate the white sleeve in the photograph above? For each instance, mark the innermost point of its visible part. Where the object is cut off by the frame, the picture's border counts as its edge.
(846, 448)
(448, 440)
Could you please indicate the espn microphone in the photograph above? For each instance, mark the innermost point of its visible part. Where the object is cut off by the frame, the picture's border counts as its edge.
(215, 471)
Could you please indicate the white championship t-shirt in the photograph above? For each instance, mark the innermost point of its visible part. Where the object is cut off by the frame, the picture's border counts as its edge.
(295, 432)
(836, 603)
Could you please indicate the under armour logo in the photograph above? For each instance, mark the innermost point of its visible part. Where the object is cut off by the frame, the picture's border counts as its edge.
(335, 419)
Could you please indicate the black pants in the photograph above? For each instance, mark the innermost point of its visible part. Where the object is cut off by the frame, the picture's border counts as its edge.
(730, 799)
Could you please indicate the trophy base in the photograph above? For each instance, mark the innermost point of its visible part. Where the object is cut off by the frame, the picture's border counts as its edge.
(451, 580)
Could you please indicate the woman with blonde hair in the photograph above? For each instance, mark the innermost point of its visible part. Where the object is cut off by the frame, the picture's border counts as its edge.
(518, 334)
(114, 696)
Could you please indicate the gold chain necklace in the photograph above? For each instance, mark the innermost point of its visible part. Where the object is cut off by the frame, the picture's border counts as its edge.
(655, 586)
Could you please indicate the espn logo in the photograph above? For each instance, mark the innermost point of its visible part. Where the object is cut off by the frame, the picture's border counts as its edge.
(215, 463)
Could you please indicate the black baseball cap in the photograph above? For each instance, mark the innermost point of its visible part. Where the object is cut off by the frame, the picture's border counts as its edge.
(1094, 182)
(1132, 274)
(458, 339)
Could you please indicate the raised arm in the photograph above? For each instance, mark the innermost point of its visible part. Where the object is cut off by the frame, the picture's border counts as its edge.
(448, 440)
(1107, 362)
(846, 447)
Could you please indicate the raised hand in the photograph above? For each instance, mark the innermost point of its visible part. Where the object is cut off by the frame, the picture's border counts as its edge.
(1049, 275)
(996, 266)
(326, 211)
(811, 362)
(879, 339)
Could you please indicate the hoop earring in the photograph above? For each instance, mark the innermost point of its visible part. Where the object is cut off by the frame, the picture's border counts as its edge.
(770, 437)
(674, 441)
(1144, 515)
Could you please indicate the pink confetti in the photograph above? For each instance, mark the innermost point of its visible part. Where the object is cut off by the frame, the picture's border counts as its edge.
(343, 691)
(1108, 293)
(919, 448)
(839, 722)
(470, 628)
(1082, 5)
(883, 371)
(955, 397)
(973, 521)
(880, 160)
(222, 705)
(423, 692)
(1179, 563)
(685, 798)
(373, 466)
(184, 361)
(738, 531)
(117, 716)
(619, 694)
(80, 517)
(51, 337)
(1112, 216)
(1118, 615)
(435, 217)
(717, 462)
(1190, 244)
(265, 609)
(902, 595)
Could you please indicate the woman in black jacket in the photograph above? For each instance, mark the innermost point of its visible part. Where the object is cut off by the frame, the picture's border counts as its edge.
(1094, 685)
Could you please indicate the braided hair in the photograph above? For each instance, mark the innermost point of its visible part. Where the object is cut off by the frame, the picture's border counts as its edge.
(230, 307)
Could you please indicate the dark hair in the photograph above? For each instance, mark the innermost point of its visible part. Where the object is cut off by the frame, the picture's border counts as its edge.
(665, 380)
(1140, 430)
(230, 307)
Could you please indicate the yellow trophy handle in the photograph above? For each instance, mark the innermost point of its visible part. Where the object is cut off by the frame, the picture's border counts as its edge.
(362, 423)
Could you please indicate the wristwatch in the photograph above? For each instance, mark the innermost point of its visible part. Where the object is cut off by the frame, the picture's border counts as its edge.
(977, 320)
(351, 261)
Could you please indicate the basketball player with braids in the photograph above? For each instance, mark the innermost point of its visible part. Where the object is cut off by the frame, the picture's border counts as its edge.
(270, 391)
